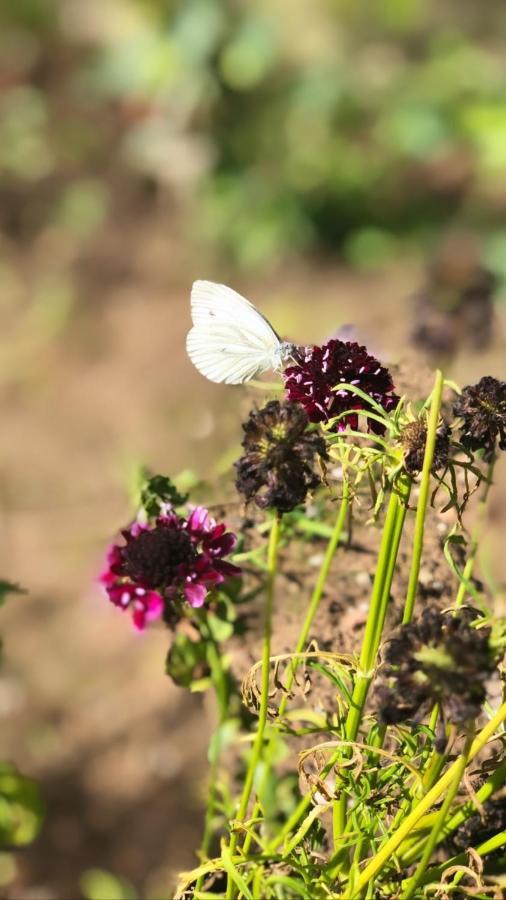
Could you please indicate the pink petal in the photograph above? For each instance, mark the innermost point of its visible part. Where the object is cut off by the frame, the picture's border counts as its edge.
(146, 609)
(154, 606)
(217, 532)
(212, 576)
(222, 545)
(198, 519)
(195, 594)
(228, 569)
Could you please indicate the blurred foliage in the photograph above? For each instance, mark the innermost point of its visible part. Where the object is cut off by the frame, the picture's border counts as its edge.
(282, 125)
(97, 884)
(20, 808)
(7, 587)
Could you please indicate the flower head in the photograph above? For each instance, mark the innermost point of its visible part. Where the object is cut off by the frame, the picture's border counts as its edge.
(440, 658)
(413, 439)
(482, 406)
(277, 469)
(319, 370)
(172, 557)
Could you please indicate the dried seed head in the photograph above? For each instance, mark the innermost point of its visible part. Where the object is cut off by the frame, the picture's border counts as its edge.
(277, 469)
(439, 658)
(413, 439)
(482, 407)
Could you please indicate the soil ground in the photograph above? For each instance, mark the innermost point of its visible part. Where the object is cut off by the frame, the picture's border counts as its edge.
(119, 751)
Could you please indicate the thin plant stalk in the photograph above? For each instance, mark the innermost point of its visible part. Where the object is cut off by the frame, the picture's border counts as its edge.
(272, 563)
(404, 490)
(423, 499)
(437, 760)
(385, 853)
(318, 590)
(434, 874)
(475, 538)
(432, 839)
(380, 582)
(311, 612)
(392, 533)
(220, 684)
(493, 784)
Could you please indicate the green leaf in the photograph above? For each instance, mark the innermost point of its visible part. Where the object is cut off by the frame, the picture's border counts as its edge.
(186, 661)
(223, 737)
(220, 628)
(97, 884)
(21, 808)
(158, 490)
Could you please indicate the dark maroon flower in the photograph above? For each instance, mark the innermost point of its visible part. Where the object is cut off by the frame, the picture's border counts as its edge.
(277, 468)
(319, 370)
(482, 407)
(173, 557)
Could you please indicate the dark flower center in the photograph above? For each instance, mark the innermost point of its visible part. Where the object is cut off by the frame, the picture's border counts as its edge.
(153, 557)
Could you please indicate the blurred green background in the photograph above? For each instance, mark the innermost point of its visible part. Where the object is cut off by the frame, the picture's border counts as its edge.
(314, 153)
(360, 129)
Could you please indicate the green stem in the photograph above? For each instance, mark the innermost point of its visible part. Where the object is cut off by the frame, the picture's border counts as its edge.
(386, 852)
(404, 490)
(487, 790)
(272, 561)
(475, 538)
(220, 684)
(459, 769)
(421, 511)
(314, 603)
(488, 846)
(318, 591)
(338, 821)
(392, 532)
(382, 583)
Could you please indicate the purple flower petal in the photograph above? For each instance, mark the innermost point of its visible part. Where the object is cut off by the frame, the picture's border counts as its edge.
(195, 594)
(220, 545)
(198, 520)
(226, 568)
(312, 383)
(170, 557)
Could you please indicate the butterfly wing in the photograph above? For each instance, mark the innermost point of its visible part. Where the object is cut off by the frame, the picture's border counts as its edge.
(230, 341)
(219, 303)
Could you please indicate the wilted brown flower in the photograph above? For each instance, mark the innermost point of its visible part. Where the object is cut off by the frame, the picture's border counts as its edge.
(482, 406)
(413, 439)
(277, 469)
(441, 659)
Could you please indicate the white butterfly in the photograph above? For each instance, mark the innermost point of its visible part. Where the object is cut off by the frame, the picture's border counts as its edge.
(231, 341)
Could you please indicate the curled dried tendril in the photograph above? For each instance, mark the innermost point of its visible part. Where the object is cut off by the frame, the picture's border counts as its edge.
(473, 870)
(298, 665)
(326, 785)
